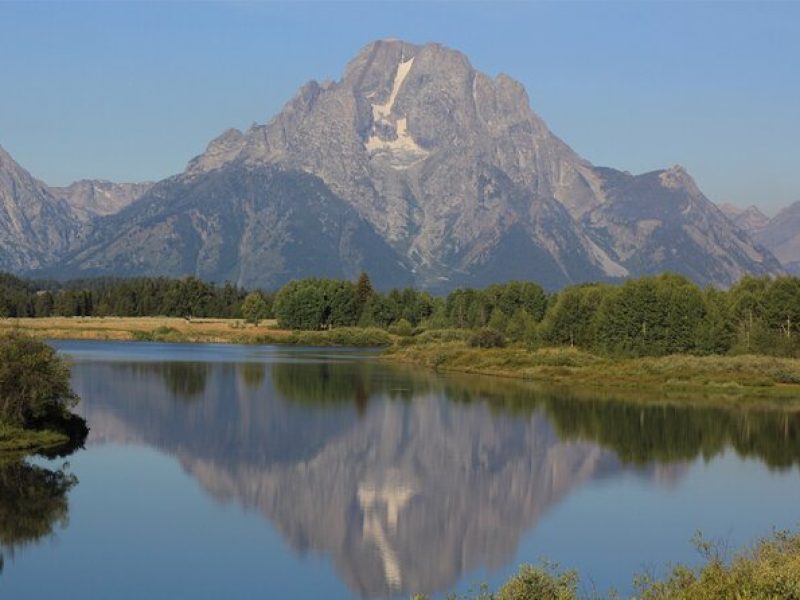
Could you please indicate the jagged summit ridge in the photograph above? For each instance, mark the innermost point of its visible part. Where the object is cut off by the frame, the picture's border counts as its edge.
(468, 184)
(444, 172)
(442, 160)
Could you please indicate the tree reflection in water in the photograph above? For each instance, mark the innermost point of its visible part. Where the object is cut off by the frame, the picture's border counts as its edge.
(33, 502)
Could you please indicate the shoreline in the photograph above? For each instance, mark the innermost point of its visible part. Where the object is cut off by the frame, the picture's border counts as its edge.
(194, 331)
(736, 378)
(746, 378)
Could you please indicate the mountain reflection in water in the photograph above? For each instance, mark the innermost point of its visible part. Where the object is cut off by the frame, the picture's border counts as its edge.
(405, 480)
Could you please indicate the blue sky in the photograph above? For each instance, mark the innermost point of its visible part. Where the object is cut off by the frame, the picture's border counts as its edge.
(131, 91)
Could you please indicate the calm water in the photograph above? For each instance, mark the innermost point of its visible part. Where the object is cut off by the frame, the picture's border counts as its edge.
(255, 472)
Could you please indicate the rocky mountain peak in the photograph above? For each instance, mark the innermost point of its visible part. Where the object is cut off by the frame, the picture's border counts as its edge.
(781, 235)
(445, 172)
(677, 177)
(750, 219)
(91, 198)
(219, 151)
(35, 226)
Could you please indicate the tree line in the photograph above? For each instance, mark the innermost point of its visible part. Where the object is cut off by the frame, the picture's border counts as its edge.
(654, 315)
(648, 316)
(135, 297)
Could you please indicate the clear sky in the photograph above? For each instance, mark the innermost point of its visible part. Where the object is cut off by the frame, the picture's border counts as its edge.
(131, 91)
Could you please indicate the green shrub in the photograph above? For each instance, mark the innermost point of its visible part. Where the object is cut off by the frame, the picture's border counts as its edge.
(362, 337)
(768, 571)
(402, 328)
(164, 330)
(487, 338)
(540, 583)
(34, 382)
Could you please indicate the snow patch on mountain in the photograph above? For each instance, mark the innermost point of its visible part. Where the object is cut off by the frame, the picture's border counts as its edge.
(390, 139)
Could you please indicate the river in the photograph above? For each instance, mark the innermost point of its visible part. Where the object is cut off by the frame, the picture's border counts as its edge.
(221, 471)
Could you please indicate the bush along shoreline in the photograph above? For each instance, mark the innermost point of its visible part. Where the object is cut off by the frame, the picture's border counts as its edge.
(36, 398)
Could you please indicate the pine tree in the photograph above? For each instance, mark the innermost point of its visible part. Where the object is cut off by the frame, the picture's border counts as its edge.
(364, 291)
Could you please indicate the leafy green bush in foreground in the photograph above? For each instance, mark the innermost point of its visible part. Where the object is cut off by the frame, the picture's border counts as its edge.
(768, 571)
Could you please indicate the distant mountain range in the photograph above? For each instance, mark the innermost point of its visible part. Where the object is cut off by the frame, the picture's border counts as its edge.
(780, 234)
(414, 167)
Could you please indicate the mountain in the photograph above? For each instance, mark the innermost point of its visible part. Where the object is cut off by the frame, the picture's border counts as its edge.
(421, 170)
(96, 197)
(467, 184)
(36, 228)
(661, 221)
(750, 219)
(251, 224)
(781, 235)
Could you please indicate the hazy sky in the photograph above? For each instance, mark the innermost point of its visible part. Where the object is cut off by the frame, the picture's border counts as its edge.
(131, 91)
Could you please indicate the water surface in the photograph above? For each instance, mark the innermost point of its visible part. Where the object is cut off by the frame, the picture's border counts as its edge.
(255, 472)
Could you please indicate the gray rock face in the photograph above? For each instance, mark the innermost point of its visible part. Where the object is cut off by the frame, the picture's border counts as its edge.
(468, 185)
(661, 221)
(36, 228)
(91, 198)
(749, 219)
(781, 235)
(249, 224)
(451, 176)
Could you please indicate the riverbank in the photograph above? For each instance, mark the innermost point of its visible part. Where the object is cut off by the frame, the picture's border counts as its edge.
(732, 376)
(178, 330)
(735, 376)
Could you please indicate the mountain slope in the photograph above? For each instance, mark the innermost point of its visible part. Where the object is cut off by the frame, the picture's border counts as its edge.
(750, 219)
(661, 221)
(443, 161)
(417, 168)
(255, 226)
(35, 227)
(782, 236)
(455, 171)
(91, 198)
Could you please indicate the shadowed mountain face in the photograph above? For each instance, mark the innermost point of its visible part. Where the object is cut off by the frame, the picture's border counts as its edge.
(405, 481)
(253, 225)
(750, 220)
(780, 234)
(36, 228)
(39, 225)
(415, 167)
(660, 221)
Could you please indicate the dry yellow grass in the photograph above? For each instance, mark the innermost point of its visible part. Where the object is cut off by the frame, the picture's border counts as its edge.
(133, 328)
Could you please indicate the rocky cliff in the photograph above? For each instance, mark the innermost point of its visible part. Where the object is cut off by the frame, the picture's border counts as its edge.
(440, 176)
